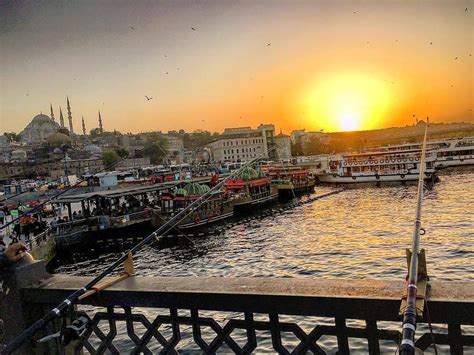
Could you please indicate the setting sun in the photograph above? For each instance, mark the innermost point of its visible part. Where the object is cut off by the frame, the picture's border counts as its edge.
(349, 122)
(348, 102)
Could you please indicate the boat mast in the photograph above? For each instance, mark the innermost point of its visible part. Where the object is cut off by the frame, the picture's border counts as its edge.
(407, 346)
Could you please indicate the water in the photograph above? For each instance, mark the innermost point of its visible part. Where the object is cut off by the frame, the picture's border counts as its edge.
(359, 233)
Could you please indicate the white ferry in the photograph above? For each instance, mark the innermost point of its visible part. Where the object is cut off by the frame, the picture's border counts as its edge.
(449, 152)
(388, 166)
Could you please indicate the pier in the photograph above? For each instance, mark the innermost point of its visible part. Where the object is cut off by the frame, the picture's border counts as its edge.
(176, 309)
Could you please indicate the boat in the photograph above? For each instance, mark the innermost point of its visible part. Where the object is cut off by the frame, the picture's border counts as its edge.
(291, 180)
(254, 186)
(219, 206)
(449, 152)
(110, 214)
(380, 166)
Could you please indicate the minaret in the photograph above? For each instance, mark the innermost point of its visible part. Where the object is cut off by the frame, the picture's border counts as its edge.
(61, 118)
(69, 116)
(52, 113)
(101, 130)
(83, 126)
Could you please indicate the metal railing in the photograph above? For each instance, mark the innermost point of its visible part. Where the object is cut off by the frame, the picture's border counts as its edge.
(246, 315)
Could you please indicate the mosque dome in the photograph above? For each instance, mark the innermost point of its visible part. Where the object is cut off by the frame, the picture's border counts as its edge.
(58, 139)
(42, 119)
(40, 127)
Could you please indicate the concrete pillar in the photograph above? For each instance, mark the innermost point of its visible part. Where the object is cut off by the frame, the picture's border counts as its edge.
(15, 315)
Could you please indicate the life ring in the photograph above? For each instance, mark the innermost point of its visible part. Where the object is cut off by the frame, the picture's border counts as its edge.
(417, 159)
(344, 163)
(404, 160)
(428, 175)
(353, 178)
(411, 159)
(402, 176)
(365, 163)
(376, 161)
(393, 160)
(399, 160)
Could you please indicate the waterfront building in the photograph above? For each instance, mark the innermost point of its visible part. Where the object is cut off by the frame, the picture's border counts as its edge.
(244, 143)
(40, 127)
(283, 146)
(174, 149)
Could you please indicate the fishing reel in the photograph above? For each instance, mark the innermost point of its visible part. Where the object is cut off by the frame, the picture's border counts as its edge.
(70, 333)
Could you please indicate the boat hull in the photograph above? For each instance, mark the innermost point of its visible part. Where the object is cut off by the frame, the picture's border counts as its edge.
(250, 203)
(447, 163)
(334, 178)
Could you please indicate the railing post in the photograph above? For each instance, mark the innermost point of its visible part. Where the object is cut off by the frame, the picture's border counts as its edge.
(15, 314)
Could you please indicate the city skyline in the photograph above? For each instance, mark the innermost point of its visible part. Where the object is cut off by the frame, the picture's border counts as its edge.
(209, 65)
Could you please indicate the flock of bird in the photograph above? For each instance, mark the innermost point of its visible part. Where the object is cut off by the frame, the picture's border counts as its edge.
(269, 43)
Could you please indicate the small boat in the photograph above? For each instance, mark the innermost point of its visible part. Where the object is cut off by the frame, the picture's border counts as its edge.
(380, 166)
(291, 181)
(219, 206)
(254, 186)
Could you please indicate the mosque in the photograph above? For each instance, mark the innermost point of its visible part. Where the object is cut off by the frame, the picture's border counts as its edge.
(43, 126)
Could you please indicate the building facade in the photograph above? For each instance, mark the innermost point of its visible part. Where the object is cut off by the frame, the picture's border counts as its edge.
(283, 146)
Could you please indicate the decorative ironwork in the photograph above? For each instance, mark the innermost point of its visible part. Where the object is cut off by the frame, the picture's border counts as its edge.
(118, 325)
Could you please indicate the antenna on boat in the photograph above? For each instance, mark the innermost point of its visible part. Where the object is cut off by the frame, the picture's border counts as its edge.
(76, 295)
(413, 301)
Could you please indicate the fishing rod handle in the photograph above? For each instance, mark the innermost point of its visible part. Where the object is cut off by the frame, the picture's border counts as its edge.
(407, 346)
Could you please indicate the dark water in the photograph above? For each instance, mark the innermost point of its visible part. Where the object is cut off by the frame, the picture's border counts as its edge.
(359, 233)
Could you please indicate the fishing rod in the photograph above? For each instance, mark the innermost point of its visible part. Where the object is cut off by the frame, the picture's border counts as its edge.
(64, 305)
(407, 346)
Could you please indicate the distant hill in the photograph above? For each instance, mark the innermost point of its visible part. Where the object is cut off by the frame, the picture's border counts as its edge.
(408, 134)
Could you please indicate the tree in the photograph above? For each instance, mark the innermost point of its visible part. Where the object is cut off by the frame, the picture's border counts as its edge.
(121, 152)
(296, 149)
(155, 148)
(110, 157)
(12, 136)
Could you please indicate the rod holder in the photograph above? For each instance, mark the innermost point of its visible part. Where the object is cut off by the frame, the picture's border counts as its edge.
(421, 284)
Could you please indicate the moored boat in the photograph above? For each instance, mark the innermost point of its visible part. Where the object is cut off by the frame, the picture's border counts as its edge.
(291, 180)
(381, 166)
(217, 207)
(255, 187)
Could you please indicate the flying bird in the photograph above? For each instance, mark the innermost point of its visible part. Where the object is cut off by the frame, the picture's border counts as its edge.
(148, 98)
(268, 44)
(166, 72)
(465, 10)
(456, 58)
(193, 28)
(132, 28)
(431, 42)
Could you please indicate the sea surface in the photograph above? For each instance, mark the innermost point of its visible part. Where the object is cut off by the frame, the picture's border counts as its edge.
(359, 233)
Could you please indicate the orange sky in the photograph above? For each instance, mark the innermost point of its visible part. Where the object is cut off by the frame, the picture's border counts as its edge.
(337, 65)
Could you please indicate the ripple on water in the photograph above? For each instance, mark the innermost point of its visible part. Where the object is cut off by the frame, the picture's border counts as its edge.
(359, 233)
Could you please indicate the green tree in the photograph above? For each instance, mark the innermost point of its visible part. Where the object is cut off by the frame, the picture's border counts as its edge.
(155, 148)
(110, 157)
(121, 152)
(12, 136)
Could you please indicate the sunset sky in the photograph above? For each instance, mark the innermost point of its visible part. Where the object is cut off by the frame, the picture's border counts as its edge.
(332, 65)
